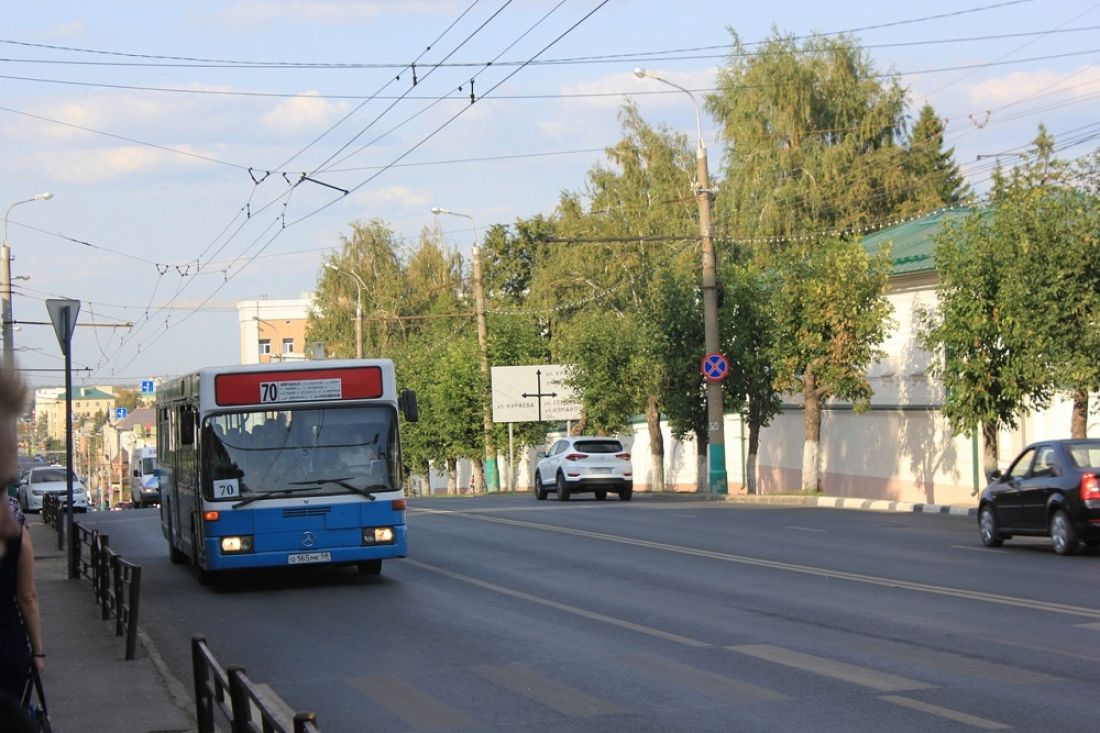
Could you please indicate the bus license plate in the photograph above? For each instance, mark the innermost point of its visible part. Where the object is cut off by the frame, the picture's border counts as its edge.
(305, 558)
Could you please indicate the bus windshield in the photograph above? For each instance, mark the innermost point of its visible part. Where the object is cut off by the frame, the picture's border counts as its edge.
(276, 450)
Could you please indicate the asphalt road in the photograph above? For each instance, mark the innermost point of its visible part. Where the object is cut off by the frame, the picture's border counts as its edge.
(653, 615)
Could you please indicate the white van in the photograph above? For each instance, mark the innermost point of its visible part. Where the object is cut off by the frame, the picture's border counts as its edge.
(144, 485)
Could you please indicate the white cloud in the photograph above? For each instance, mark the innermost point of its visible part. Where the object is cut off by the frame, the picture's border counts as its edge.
(401, 197)
(306, 113)
(72, 29)
(1020, 85)
(84, 166)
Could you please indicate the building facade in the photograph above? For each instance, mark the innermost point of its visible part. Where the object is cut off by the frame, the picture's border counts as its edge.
(273, 330)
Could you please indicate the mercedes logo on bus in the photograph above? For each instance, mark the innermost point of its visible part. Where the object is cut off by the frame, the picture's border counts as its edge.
(308, 539)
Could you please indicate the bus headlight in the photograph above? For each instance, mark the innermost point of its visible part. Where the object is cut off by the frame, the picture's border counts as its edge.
(378, 535)
(237, 543)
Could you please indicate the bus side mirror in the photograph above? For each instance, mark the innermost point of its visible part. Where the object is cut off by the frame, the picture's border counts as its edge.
(407, 402)
(137, 473)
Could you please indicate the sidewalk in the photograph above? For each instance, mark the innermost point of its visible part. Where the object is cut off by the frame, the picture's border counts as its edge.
(90, 686)
(874, 505)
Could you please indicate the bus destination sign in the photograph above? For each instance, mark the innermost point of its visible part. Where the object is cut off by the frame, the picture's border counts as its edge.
(300, 390)
(301, 385)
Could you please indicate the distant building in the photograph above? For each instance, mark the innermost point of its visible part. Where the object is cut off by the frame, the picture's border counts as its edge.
(120, 439)
(273, 330)
(88, 403)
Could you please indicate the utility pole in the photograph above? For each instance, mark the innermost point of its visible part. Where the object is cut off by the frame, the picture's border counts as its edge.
(716, 432)
(359, 285)
(5, 282)
(492, 479)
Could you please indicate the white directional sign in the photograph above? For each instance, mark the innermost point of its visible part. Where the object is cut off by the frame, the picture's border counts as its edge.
(533, 394)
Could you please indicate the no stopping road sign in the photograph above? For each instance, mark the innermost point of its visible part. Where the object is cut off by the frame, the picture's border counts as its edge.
(715, 367)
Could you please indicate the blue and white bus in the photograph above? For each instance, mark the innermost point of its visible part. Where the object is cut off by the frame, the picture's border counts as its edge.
(291, 463)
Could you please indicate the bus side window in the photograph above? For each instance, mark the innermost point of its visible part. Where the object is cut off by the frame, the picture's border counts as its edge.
(187, 426)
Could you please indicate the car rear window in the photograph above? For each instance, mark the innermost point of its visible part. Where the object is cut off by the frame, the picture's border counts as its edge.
(1085, 455)
(599, 446)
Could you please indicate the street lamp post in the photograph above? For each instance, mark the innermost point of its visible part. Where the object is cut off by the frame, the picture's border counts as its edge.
(716, 433)
(359, 285)
(492, 482)
(5, 280)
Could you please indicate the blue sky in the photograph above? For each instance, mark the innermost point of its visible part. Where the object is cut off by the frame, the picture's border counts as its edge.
(170, 160)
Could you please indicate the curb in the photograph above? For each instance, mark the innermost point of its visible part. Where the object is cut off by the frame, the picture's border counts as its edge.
(874, 505)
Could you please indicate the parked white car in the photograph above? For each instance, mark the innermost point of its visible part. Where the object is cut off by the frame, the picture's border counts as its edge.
(42, 480)
(585, 463)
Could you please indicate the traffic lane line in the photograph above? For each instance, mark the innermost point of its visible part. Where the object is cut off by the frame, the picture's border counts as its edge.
(853, 673)
(568, 701)
(980, 596)
(719, 687)
(592, 615)
(417, 709)
(947, 713)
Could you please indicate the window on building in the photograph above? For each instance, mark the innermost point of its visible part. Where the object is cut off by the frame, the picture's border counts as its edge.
(265, 346)
(288, 346)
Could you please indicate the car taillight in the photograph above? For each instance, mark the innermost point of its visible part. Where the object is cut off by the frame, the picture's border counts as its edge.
(576, 456)
(1090, 487)
(623, 456)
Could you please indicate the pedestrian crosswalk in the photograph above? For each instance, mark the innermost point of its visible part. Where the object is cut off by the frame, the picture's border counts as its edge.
(940, 689)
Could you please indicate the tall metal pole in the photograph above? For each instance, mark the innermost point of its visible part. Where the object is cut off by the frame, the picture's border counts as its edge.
(359, 285)
(69, 317)
(492, 478)
(5, 281)
(716, 433)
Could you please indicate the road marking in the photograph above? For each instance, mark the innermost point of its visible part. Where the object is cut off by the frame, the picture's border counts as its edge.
(863, 676)
(947, 713)
(592, 615)
(971, 595)
(806, 529)
(713, 685)
(419, 710)
(551, 693)
(952, 662)
(1095, 626)
(975, 548)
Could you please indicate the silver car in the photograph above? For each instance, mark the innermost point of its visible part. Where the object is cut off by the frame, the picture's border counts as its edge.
(584, 463)
(42, 480)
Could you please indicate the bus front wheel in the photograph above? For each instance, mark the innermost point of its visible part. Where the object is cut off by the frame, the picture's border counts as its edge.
(369, 567)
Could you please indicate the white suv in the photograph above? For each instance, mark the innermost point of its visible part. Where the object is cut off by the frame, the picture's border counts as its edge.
(584, 463)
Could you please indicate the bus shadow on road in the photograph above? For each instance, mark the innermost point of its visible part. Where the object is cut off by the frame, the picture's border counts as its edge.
(267, 580)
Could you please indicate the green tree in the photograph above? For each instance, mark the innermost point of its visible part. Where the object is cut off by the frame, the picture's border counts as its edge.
(814, 146)
(749, 338)
(674, 310)
(981, 348)
(510, 257)
(935, 174)
(623, 228)
(811, 135)
(449, 385)
(371, 253)
(128, 398)
(1054, 221)
(832, 304)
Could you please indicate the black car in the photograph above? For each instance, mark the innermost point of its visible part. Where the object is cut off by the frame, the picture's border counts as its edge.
(1051, 489)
